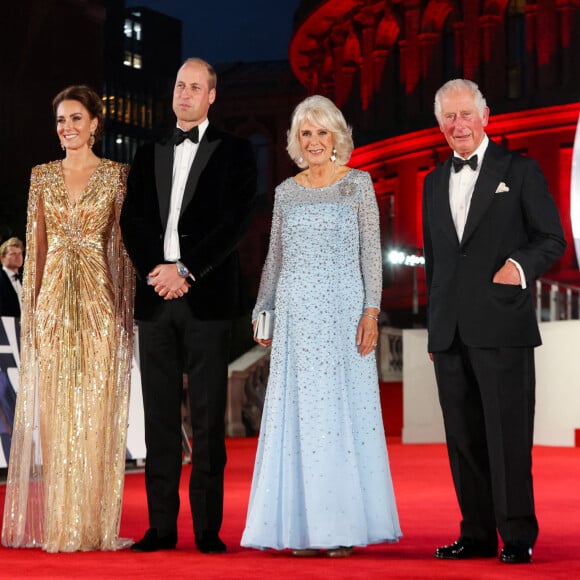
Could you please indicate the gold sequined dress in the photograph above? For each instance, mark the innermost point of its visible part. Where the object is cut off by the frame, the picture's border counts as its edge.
(66, 470)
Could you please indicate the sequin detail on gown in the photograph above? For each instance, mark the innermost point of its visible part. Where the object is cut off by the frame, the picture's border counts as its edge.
(322, 476)
(66, 469)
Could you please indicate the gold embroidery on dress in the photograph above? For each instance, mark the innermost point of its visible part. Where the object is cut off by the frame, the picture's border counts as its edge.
(67, 463)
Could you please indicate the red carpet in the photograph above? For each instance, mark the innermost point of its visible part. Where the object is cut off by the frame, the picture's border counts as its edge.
(428, 515)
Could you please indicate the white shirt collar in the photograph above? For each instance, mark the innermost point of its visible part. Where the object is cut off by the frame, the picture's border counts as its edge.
(9, 272)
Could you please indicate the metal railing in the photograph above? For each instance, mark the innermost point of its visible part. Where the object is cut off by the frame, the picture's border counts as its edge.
(248, 375)
(556, 301)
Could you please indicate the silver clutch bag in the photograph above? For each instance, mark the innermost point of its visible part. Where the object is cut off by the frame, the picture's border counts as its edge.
(265, 326)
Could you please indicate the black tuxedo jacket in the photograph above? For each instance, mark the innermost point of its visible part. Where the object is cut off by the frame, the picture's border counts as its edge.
(216, 210)
(522, 224)
(9, 305)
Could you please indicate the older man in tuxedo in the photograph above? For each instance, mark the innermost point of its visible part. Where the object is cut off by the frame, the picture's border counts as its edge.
(188, 204)
(490, 229)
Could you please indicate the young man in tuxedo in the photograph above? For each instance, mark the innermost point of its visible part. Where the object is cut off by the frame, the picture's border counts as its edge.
(490, 229)
(188, 204)
(12, 258)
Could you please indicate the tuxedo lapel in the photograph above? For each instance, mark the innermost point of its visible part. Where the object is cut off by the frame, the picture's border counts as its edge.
(207, 146)
(493, 168)
(441, 202)
(8, 295)
(163, 178)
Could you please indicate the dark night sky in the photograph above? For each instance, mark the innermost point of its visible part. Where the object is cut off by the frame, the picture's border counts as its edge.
(231, 30)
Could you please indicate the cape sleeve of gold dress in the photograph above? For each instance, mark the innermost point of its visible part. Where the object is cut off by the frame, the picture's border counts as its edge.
(66, 470)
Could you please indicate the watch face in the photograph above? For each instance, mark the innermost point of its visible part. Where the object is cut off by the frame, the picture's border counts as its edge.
(182, 270)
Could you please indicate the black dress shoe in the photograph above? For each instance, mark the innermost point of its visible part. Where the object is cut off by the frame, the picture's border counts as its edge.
(464, 550)
(151, 542)
(209, 543)
(515, 554)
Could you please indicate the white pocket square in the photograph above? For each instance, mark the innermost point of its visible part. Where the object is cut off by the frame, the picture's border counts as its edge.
(502, 188)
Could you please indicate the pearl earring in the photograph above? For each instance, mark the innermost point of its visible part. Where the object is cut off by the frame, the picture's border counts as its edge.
(333, 156)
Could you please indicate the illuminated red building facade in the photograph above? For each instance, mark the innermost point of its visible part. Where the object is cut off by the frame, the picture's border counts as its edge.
(382, 61)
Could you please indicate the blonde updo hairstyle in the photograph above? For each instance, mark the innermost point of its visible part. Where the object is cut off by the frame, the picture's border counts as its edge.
(323, 112)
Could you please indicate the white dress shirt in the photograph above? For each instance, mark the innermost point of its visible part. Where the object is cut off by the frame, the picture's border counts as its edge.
(182, 161)
(461, 186)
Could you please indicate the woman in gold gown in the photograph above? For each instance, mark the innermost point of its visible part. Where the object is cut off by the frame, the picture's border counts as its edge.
(66, 469)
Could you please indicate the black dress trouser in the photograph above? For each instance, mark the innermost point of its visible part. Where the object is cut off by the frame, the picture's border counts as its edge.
(172, 343)
(487, 396)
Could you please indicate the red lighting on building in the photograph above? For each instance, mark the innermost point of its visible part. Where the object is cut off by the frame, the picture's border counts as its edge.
(382, 61)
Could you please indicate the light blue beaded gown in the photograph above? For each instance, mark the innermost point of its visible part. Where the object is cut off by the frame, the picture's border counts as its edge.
(321, 477)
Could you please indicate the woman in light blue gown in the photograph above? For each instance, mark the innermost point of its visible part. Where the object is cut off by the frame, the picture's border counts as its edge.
(322, 482)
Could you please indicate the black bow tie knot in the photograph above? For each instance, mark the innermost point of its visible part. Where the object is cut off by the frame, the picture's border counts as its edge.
(180, 136)
(459, 163)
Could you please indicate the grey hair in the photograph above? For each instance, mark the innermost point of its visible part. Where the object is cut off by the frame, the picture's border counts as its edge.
(458, 85)
(321, 111)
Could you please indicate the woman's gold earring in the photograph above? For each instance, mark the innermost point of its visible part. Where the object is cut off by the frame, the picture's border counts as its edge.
(62, 146)
(91, 140)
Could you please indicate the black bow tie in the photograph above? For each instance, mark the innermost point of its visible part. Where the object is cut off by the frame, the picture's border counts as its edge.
(17, 277)
(180, 136)
(459, 164)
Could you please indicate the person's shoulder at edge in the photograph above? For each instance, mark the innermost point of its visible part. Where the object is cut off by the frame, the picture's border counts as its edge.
(114, 164)
(48, 165)
(516, 159)
(145, 153)
(360, 178)
(216, 131)
(355, 173)
(287, 187)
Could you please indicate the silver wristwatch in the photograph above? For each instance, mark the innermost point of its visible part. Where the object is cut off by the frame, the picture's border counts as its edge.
(182, 269)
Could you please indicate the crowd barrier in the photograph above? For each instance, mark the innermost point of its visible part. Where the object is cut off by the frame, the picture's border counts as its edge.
(9, 365)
